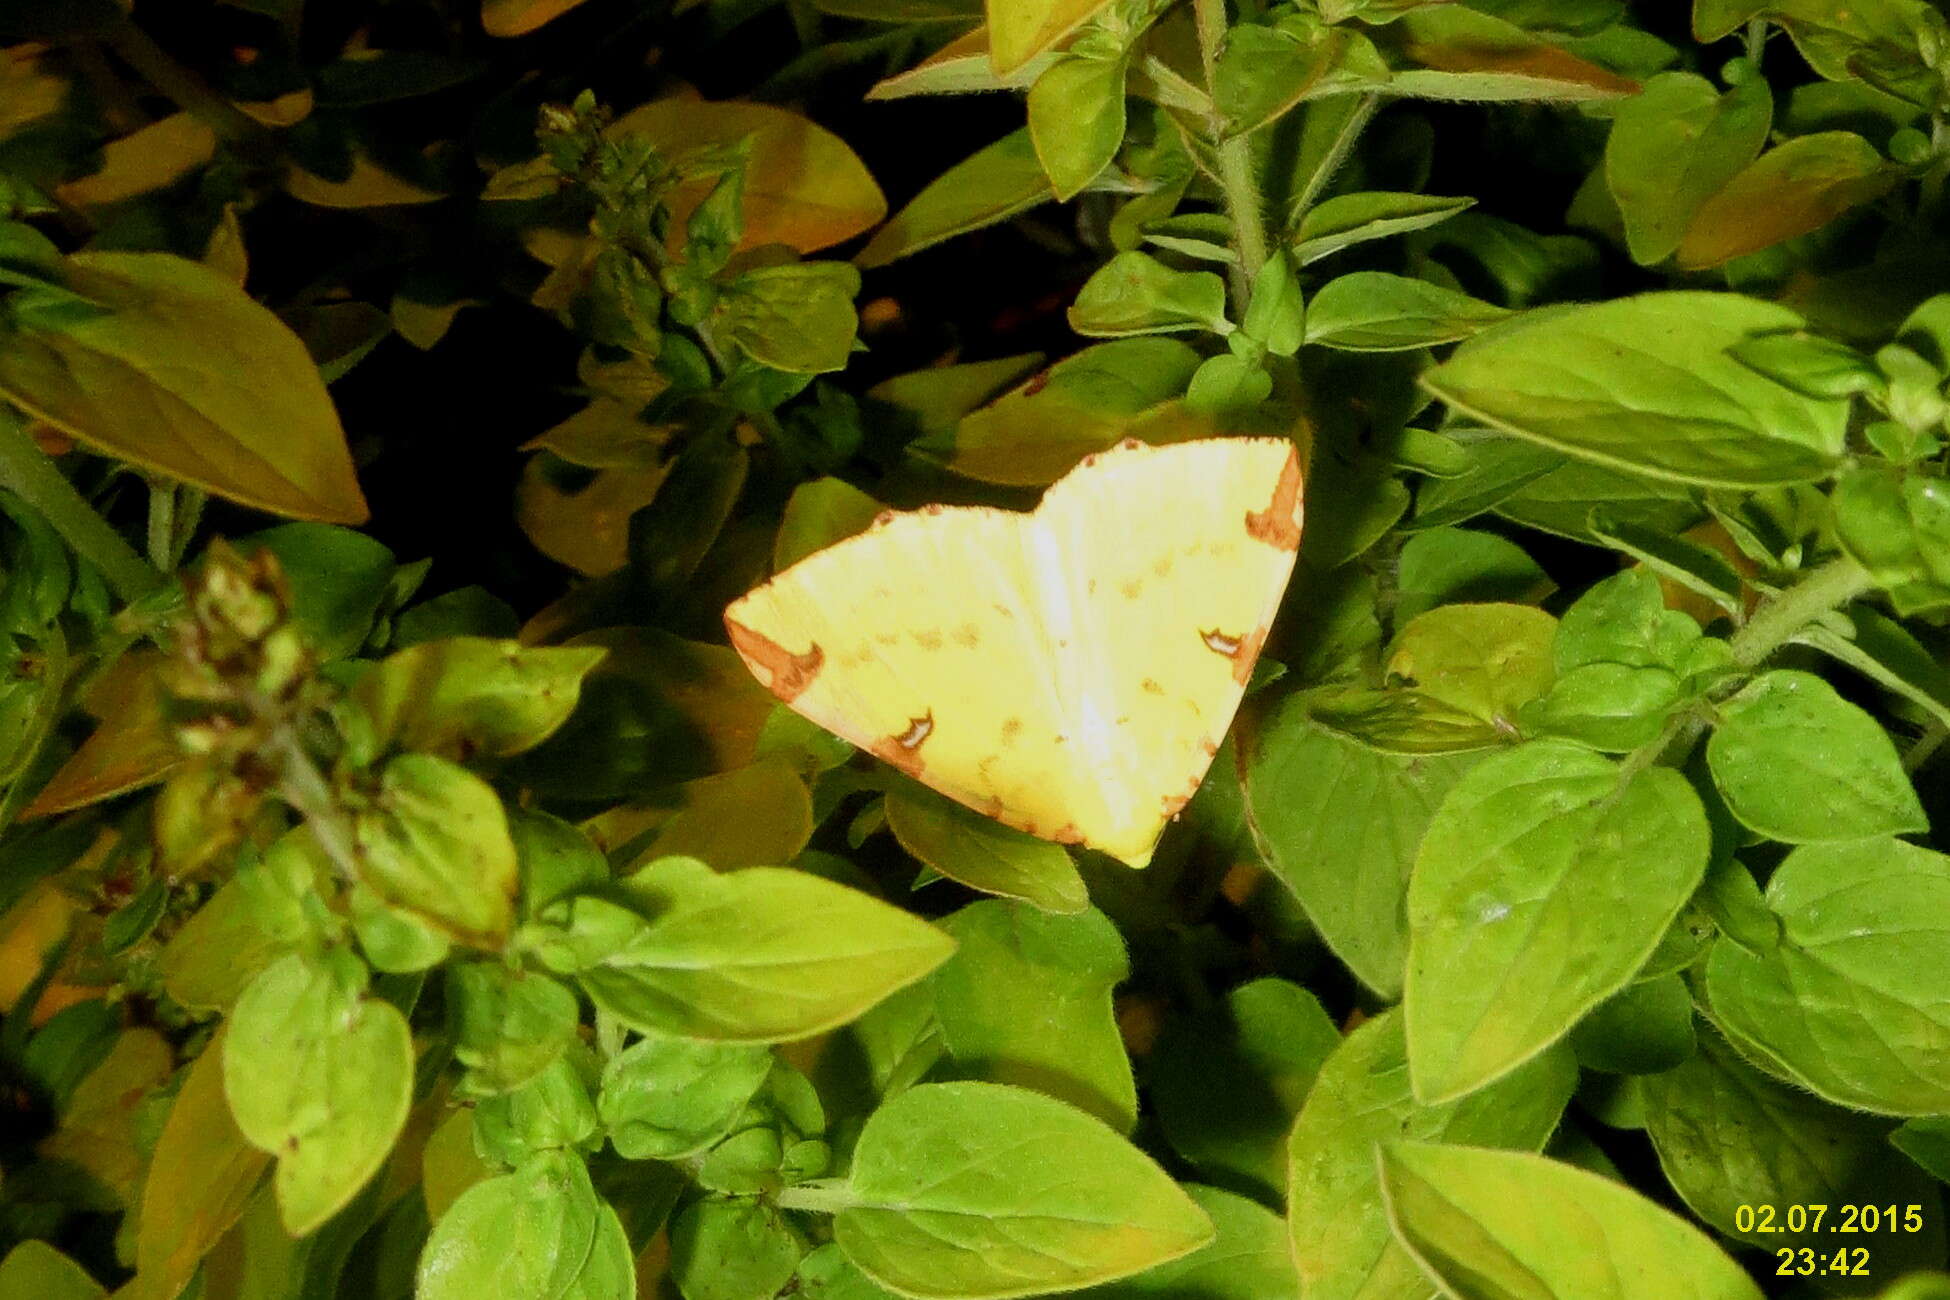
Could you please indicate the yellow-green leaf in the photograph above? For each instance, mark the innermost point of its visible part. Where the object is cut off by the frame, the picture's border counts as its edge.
(804, 186)
(1493, 1225)
(1801, 186)
(159, 154)
(519, 17)
(201, 1178)
(321, 1076)
(185, 375)
(1019, 30)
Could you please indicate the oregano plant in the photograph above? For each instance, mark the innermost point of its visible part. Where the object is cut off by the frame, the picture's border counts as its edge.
(407, 890)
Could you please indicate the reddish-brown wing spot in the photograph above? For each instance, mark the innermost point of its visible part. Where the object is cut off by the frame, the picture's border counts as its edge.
(1242, 650)
(903, 751)
(1067, 833)
(783, 673)
(1279, 524)
(968, 636)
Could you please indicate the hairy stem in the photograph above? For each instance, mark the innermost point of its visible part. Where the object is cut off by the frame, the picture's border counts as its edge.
(1234, 159)
(26, 471)
(1830, 587)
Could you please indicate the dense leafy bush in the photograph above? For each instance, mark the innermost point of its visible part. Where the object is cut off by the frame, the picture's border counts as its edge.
(404, 889)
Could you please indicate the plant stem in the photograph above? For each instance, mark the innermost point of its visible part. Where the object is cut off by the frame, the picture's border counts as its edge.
(1830, 587)
(162, 523)
(304, 788)
(26, 471)
(185, 88)
(820, 1198)
(1235, 161)
(1925, 747)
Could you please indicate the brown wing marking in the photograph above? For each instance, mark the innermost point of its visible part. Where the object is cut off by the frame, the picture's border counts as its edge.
(783, 673)
(1279, 524)
(1242, 650)
(904, 751)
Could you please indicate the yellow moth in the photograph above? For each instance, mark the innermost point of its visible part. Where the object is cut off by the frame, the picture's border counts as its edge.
(1069, 672)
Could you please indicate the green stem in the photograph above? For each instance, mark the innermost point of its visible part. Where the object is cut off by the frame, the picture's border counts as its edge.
(819, 1198)
(189, 91)
(1234, 156)
(1756, 40)
(304, 788)
(26, 471)
(162, 524)
(1926, 746)
(189, 513)
(1830, 587)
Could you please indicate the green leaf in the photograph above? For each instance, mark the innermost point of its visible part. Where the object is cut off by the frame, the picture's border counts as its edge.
(1610, 707)
(1276, 315)
(1896, 524)
(1697, 568)
(1486, 661)
(1641, 1029)
(1861, 960)
(991, 185)
(1338, 823)
(665, 1098)
(819, 513)
(467, 698)
(1882, 650)
(1349, 219)
(1076, 120)
(1673, 146)
(1372, 311)
(1881, 41)
(827, 1274)
(34, 1268)
(1793, 189)
(435, 843)
(1561, 500)
(762, 955)
(982, 853)
(339, 580)
(1644, 384)
(1228, 385)
(732, 1250)
(1798, 763)
(509, 1026)
(1026, 1000)
(539, 1231)
(391, 940)
(1544, 883)
(1339, 1231)
(1134, 293)
(186, 376)
(1509, 1224)
(1266, 71)
(1249, 1259)
(1445, 566)
(1468, 55)
(967, 1191)
(1034, 434)
(554, 1111)
(1260, 1054)
(1927, 1142)
(1732, 1140)
(798, 318)
(1809, 364)
(1402, 721)
(319, 1075)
